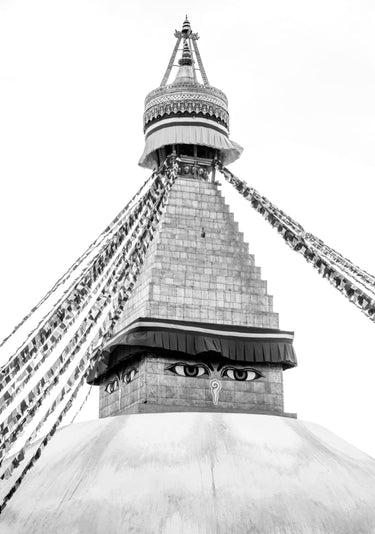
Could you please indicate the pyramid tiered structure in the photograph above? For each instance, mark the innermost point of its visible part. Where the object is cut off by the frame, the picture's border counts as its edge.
(199, 326)
(198, 267)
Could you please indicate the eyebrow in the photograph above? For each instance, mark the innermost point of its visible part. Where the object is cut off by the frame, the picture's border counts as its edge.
(187, 362)
(224, 366)
(230, 365)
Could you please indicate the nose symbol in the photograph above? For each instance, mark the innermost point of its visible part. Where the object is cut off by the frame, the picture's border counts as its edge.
(215, 386)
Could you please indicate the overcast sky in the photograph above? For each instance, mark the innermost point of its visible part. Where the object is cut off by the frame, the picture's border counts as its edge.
(300, 79)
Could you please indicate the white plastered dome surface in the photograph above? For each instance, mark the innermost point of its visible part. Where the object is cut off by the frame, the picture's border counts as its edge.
(193, 473)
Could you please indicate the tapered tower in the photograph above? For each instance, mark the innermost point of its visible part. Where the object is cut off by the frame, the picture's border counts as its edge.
(199, 331)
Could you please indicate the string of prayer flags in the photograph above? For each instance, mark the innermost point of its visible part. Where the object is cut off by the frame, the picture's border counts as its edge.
(80, 260)
(40, 448)
(356, 285)
(51, 377)
(114, 304)
(47, 337)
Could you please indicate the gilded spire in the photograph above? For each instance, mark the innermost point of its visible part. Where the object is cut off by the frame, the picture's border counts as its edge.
(186, 28)
(186, 58)
(187, 110)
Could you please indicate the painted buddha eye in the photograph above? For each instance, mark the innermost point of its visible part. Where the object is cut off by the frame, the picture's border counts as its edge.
(241, 374)
(191, 371)
(129, 376)
(111, 386)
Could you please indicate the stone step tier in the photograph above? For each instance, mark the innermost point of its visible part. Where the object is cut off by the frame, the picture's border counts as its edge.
(198, 267)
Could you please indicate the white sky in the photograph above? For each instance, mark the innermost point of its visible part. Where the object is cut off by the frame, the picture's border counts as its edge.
(300, 78)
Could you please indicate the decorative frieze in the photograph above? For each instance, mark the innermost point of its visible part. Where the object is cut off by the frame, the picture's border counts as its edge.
(184, 87)
(184, 98)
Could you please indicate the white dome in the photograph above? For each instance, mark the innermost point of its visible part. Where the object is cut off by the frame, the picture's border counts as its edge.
(195, 473)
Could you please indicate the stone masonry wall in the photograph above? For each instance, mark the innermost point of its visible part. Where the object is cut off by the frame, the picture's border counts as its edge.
(156, 389)
(198, 267)
(126, 396)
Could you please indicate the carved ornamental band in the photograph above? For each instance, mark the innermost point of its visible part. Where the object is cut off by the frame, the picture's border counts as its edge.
(194, 99)
(186, 106)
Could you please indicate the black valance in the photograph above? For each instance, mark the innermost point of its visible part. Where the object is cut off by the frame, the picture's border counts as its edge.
(245, 344)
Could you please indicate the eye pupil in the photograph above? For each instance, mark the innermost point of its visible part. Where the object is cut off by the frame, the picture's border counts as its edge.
(240, 374)
(188, 370)
(191, 370)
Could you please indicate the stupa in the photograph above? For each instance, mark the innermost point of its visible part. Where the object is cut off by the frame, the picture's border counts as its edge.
(192, 435)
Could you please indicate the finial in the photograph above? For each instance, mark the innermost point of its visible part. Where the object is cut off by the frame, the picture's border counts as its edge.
(186, 28)
(186, 55)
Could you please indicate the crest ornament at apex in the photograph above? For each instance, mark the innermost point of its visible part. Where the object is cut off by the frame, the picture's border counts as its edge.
(188, 116)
